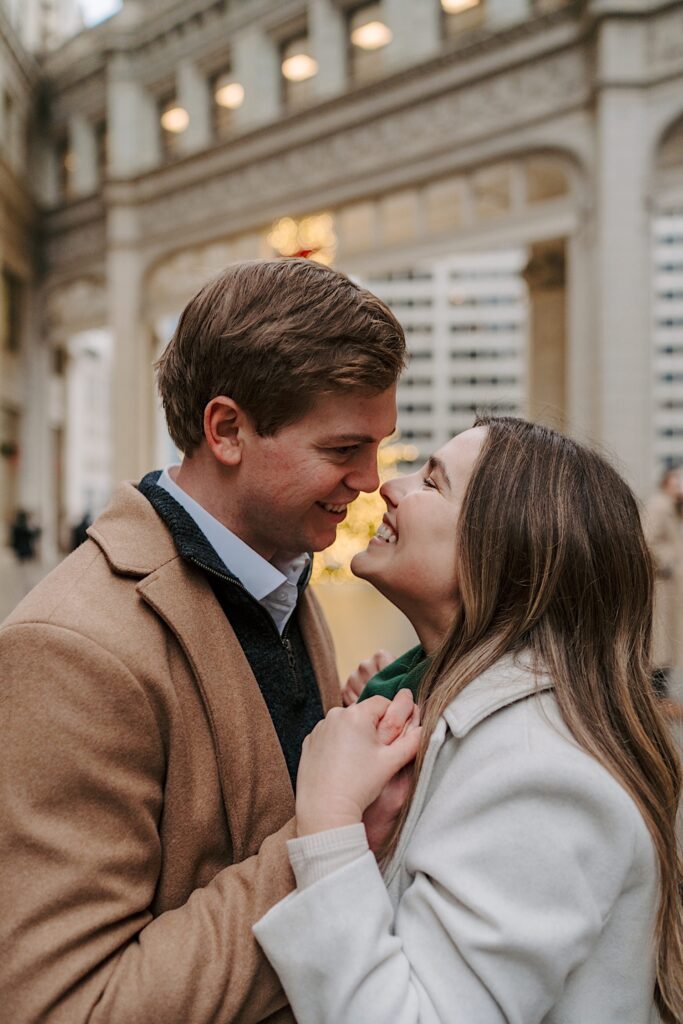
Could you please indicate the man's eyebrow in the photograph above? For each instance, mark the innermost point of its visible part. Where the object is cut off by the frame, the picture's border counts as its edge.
(337, 440)
(435, 463)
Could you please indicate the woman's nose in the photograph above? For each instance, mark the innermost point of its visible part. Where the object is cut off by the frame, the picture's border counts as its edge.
(387, 492)
(393, 490)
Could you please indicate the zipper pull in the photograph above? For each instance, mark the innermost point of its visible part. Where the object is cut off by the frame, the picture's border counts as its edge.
(298, 690)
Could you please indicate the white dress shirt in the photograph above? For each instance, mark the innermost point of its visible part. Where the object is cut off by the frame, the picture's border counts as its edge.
(272, 584)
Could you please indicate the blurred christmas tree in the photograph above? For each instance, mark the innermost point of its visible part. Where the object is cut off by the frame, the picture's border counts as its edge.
(362, 519)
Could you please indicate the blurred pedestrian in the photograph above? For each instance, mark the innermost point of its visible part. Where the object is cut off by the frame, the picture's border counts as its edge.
(664, 532)
(23, 536)
(79, 533)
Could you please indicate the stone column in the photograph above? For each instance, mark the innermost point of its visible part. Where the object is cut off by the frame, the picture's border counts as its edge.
(582, 400)
(133, 122)
(38, 466)
(257, 66)
(83, 146)
(327, 32)
(416, 28)
(194, 96)
(547, 388)
(623, 248)
(132, 377)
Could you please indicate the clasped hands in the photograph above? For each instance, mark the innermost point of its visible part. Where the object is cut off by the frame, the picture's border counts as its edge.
(357, 766)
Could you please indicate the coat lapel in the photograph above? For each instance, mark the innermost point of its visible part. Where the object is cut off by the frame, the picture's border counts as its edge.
(253, 774)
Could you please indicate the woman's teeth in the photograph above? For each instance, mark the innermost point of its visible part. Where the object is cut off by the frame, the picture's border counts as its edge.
(385, 532)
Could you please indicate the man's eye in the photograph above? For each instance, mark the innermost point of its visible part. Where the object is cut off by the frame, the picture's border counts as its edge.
(345, 450)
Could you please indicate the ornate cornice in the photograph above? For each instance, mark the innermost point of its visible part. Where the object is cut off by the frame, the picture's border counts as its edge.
(360, 152)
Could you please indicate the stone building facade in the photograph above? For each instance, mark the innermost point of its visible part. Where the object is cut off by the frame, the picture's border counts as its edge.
(410, 141)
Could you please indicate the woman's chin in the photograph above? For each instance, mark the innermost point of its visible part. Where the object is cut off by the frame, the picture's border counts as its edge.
(362, 567)
(359, 564)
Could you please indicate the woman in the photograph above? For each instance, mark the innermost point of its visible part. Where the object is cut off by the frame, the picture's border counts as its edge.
(533, 876)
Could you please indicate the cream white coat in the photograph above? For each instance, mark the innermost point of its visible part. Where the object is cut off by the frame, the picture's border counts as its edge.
(523, 890)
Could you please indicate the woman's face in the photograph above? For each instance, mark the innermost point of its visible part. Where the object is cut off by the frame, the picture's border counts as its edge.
(412, 558)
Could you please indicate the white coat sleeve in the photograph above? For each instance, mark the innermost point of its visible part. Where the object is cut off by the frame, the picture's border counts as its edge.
(513, 877)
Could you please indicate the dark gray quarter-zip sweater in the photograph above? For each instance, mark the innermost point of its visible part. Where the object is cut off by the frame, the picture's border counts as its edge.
(280, 664)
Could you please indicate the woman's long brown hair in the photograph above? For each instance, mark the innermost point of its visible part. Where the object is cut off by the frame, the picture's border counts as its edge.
(552, 558)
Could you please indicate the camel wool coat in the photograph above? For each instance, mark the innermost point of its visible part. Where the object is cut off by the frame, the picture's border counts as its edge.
(144, 796)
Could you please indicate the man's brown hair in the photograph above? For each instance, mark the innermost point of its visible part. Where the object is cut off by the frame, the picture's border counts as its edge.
(275, 335)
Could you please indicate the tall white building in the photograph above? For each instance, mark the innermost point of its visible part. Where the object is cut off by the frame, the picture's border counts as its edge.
(667, 336)
(466, 324)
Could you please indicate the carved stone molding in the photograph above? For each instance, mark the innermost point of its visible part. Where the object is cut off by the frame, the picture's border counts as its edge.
(665, 41)
(173, 283)
(79, 247)
(77, 306)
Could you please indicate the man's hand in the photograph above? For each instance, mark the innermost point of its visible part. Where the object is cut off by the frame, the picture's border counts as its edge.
(380, 816)
(355, 684)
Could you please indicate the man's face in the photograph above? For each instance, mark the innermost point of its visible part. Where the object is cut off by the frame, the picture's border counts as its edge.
(293, 488)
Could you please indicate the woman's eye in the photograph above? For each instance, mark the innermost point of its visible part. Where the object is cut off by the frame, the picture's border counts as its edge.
(428, 482)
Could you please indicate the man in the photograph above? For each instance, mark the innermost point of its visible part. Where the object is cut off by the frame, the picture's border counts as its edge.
(157, 687)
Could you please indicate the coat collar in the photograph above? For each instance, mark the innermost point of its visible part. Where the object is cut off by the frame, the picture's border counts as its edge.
(512, 678)
(128, 533)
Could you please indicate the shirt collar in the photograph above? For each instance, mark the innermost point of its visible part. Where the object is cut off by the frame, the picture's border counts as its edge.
(259, 576)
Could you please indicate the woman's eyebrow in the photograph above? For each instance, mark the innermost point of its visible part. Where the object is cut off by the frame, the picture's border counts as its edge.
(435, 463)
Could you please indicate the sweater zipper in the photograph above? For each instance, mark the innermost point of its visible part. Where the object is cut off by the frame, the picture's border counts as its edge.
(299, 692)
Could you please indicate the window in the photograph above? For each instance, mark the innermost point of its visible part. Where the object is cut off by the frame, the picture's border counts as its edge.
(461, 16)
(101, 143)
(65, 169)
(227, 96)
(174, 119)
(368, 36)
(298, 68)
(7, 125)
(11, 301)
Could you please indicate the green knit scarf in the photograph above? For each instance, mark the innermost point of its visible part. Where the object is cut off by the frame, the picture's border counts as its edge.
(403, 674)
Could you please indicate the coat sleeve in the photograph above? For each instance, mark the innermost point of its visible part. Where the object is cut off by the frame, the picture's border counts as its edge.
(81, 798)
(513, 876)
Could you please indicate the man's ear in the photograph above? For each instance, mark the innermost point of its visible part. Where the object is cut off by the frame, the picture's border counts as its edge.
(224, 422)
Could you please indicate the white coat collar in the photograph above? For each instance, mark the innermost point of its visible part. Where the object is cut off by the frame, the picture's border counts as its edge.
(512, 678)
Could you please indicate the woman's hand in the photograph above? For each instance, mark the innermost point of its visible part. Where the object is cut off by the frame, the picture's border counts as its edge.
(355, 684)
(350, 757)
(380, 817)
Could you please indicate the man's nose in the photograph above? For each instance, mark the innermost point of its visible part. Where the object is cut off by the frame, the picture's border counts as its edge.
(364, 475)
